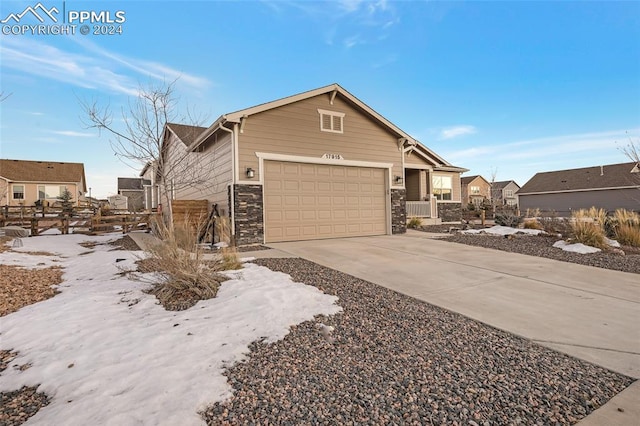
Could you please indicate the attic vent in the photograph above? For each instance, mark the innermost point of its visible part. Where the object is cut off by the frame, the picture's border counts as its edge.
(331, 121)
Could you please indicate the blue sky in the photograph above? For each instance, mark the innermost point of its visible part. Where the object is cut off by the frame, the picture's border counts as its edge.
(511, 87)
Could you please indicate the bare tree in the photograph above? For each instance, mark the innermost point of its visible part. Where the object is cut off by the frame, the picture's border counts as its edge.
(139, 138)
(632, 150)
(492, 191)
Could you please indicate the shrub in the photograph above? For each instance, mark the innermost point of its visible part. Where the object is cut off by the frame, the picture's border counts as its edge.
(552, 224)
(533, 224)
(184, 277)
(414, 222)
(508, 219)
(625, 227)
(588, 227)
(533, 213)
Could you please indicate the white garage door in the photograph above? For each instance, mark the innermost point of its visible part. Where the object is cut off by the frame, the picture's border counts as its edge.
(314, 201)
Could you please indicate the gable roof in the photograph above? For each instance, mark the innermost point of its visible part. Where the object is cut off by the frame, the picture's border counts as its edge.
(43, 171)
(583, 179)
(187, 134)
(466, 180)
(128, 184)
(503, 183)
(332, 91)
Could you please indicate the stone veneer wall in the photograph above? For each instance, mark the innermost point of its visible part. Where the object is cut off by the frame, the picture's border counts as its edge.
(450, 212)
(398, 211)
(248, 210)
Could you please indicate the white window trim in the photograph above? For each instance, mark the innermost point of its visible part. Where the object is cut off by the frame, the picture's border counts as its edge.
(331, 114)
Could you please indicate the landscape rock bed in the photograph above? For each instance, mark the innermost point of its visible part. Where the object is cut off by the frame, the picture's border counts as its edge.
(542, 246)
(19, 405)
(397, 360)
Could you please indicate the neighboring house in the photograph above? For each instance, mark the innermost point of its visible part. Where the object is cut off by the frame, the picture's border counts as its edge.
(134, 190)
(118, 202)
(609, 187)
(319, 164)
(504, 193)
(25, 182)
(476, 190)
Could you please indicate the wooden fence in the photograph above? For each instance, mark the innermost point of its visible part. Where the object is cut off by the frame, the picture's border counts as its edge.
(77, 220)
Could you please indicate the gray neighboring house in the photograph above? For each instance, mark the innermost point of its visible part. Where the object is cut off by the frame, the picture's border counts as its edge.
(504, 193)
(609, 187)
(134, 190)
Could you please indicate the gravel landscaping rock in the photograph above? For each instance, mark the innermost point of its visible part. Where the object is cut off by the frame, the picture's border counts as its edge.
(21, 287)
(17, 406)
(542, 246)
(392, 359)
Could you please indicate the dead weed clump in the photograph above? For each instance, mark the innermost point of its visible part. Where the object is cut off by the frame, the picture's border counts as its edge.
(184, 276)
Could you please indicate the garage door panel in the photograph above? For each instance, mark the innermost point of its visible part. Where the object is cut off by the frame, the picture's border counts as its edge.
(310, 201)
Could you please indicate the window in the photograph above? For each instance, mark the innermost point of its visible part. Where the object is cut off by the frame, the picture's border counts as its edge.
(508, 193)
(47, 192)
(475, 190)
(511, 203)
(18, 192)
(442, 187)
(331, 121)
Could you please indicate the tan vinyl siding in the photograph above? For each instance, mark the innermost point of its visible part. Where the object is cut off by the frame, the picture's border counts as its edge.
(414, 159)
(215, 163)
(31, 193)
(294, 129)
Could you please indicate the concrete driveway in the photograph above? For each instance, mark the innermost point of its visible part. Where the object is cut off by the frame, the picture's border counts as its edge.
(587, 312)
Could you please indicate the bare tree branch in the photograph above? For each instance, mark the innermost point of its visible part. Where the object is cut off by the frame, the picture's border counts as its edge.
(138, 138)
(3, 96)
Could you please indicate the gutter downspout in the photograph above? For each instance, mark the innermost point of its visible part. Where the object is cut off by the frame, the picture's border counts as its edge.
(233, 176)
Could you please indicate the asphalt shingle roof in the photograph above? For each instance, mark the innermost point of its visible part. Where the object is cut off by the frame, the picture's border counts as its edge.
(132, 183)
(187, 134)
(596, 177)
(42, 171)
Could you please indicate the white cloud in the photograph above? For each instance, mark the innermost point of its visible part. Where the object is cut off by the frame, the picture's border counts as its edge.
(73, 133)
(454, 132)
(105, 71)
(547, 148)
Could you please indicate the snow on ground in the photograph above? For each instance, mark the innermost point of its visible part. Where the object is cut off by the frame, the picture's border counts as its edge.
(503, 230)
(575, 248)
(108, 354)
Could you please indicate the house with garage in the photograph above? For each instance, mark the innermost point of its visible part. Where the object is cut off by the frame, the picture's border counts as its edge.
(27, 183)
(504, 193)
(610, 187)
(318, 164)
(476, 190)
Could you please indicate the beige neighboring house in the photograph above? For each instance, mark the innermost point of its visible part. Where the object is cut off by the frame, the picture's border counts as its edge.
(319, 164)
(25, 182)
(476, 190)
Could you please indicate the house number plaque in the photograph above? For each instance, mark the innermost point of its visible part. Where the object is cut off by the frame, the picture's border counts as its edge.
(332, 157)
